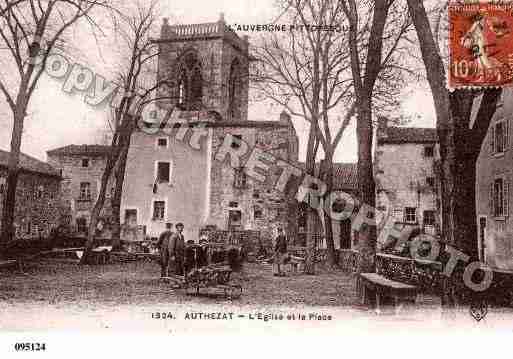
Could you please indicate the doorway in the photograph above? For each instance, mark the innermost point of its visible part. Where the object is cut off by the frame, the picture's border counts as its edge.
(234, 220)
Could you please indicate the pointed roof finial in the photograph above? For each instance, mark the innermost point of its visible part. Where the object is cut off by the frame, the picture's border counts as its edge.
(221, 16)
(166, 21)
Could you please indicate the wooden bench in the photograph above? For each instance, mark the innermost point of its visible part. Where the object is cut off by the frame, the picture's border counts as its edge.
(381, 291)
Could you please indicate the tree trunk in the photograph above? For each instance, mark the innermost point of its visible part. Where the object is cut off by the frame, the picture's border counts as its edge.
(9, 203)
(90, 242)
(327, 177)
(366, 186)
(118, 192)
(311, 212)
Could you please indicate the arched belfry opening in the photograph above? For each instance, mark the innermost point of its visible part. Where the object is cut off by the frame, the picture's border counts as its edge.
(234, 90)
(189, 84)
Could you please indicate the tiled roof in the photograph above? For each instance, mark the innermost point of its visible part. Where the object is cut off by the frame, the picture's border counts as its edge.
(408, 135)
(30, 164)
(345, 175)
(80, 150)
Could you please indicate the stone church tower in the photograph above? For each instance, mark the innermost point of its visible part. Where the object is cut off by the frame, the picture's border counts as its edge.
(206, 66)
(205, 69)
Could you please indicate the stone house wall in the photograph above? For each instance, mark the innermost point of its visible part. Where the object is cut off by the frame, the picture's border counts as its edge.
(73, 174)
(38, 207)
(274, 206)
(401, 172)
(495, 238)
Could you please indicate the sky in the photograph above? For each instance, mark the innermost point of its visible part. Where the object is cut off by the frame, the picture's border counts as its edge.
(57, 119)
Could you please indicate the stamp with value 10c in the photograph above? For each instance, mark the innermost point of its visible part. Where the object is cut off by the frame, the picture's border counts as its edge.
(481, 45)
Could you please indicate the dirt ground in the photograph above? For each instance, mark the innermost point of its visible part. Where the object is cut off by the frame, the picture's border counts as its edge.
(137, 283)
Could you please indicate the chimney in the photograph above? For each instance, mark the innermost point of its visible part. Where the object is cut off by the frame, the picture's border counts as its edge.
(382, 127)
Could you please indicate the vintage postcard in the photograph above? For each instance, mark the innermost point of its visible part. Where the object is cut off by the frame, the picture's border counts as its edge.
(244, 167)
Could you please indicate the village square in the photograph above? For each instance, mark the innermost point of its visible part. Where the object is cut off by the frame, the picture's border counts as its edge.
(217, 169)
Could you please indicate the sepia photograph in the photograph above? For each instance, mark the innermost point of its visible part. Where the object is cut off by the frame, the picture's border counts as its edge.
(251, 167)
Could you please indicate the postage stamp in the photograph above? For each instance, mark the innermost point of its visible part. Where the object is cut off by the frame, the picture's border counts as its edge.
(481, 45)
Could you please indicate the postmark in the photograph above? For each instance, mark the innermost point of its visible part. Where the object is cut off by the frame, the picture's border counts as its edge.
(480, 45)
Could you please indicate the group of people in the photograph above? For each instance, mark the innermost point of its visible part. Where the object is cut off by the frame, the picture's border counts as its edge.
(172, 250)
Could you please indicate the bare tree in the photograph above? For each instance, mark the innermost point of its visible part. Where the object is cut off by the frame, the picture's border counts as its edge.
(460, 142)
(310, 73)
(304, 71)
(134, 26)
(24, 26)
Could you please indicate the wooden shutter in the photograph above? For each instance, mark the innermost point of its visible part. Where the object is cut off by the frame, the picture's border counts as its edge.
(505, 196)
(506, 134)
(492, 138)
(491, 201)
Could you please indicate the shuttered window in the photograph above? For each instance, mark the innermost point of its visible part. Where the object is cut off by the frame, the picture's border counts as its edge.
(499, 197)
(499, 136)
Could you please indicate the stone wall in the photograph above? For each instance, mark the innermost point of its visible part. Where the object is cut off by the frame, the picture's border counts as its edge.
(38, 207)
(73, 174)
(273, 207)
(496, 248)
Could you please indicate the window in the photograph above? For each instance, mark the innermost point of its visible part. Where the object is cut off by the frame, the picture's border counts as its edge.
(499, 137)
(85, 162)
(163, 172)
(85, 191)
(159, 209)
(234, 85)
(430, 181)
(233, 204)
(182, 89)
(131, 216)
(429, 151)
(39, 192)
(237, 140)
(240, 178)
(257, 212)
(162, 142)
(2, 185)
(429, 218)
(410, 215)
(280, 213)
(256, 194)
(189, 90)
(82, 225)
(499, 197)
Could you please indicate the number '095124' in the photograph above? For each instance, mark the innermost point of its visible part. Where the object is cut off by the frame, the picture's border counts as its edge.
(29, 347)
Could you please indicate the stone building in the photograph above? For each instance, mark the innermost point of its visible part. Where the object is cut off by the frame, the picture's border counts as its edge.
(170, 180)
(82, 168)
(406, 173)
(38, 208)
(493, 195)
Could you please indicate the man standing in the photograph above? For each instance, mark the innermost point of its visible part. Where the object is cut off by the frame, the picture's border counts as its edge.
(177, 250)
(163, 246)
(280, 253)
